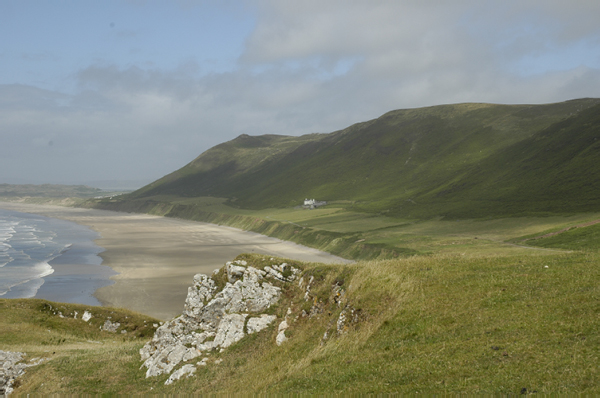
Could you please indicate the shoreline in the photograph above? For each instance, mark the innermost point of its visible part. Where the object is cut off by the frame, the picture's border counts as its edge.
(155, 257)
(69, 270)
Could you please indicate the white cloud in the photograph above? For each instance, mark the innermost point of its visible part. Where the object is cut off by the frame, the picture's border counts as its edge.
(309, 66)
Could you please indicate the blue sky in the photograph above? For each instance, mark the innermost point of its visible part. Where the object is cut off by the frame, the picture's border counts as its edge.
(48, 42)
(94, 91)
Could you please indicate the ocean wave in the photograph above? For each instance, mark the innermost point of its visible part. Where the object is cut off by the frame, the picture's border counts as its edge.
(8, 224)
(5, 259)
(20, 255)
(28, 244)
(7, 230)
(45, 268)
(27, 284)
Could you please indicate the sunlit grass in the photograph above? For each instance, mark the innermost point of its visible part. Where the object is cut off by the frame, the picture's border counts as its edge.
(443, 323)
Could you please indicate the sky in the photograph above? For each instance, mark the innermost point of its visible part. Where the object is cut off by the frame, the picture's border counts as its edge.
(122, 92)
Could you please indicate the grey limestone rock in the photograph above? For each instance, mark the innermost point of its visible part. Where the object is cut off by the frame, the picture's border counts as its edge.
(231, 330)
(213, 319)
(86, 316)
(234, 271)
(186, 370)
(257, 324)
(281, 337)
(198, 294)
(11, 367)
(110, 326)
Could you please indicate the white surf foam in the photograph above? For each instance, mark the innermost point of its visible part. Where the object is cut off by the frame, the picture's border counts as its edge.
(28, 282)
(29, 244)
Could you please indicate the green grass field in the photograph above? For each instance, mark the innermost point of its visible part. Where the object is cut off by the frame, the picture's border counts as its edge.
(444, 323)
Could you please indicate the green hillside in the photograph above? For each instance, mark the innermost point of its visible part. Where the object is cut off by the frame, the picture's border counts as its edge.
(445, 324)
(554, 170)
(224, 162)
(473, 160)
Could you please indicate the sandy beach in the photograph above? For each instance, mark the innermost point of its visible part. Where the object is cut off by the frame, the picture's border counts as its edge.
(157, 257)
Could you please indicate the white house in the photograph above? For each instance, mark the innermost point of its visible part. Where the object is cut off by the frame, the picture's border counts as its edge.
(312, 203)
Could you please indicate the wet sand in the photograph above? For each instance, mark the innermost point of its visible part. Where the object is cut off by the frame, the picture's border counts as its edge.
(157, 257)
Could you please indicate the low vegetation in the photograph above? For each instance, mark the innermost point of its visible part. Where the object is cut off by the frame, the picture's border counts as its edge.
(78, 355)
(445, 323)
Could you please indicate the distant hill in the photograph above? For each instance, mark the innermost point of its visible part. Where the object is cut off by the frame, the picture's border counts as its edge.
(48, 191)
(462, 160)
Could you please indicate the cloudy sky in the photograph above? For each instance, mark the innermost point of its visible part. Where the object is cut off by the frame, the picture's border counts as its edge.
(118, 90)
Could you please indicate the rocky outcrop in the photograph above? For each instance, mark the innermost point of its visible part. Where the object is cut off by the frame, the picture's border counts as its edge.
(257, 324)
(86, 316)
(216, 317)
(185, 370)
(110, 326)
(11, 367)
(281, 337)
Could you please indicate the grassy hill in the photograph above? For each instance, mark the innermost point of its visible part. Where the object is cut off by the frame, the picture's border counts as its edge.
(438, 324)
(385, 177)
(451, 160)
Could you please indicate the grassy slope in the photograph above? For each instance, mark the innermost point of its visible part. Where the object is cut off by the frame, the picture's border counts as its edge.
(80, 357)
(442, 160)
(555, 170)
(584, 238)
(225, 161)
(444, 323)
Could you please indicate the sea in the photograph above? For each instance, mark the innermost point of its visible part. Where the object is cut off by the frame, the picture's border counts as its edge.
(48, 258)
